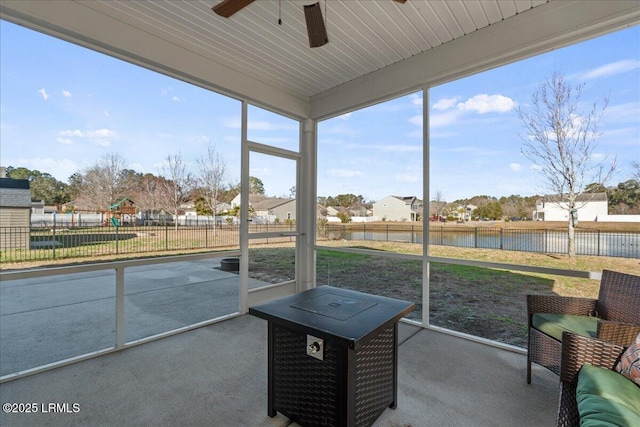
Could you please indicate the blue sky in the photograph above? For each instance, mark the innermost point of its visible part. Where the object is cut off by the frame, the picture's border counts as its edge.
(62, 107)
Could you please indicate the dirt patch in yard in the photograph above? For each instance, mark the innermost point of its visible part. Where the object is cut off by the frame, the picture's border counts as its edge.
(479, 301)
(485, 302)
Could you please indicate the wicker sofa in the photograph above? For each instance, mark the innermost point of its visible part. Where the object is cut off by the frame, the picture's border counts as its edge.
(613, 317)
(590, 395)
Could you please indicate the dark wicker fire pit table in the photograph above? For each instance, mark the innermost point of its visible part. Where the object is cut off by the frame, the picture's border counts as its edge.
(332, 355)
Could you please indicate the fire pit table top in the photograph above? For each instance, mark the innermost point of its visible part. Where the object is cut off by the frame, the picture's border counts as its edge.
(348, 315)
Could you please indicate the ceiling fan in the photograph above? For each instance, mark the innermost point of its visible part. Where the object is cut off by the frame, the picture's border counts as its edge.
(312, 13)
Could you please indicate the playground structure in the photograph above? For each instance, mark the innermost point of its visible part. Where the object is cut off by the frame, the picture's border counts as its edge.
(121, 213)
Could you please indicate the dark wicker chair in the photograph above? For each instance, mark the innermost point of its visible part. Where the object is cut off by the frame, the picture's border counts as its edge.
(577, 351)
(617, 309)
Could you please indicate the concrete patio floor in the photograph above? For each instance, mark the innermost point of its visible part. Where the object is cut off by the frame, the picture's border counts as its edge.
(217, 376)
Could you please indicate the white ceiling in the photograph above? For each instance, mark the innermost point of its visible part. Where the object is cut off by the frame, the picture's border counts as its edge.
(376, 49)
(365, 35)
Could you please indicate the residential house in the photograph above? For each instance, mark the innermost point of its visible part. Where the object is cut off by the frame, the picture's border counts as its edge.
(588, 205)
(15, 213)
(37, 207)
(331, 213)
(358, 210)
(460, 212)
(396, 208)
(467, 214)
(50, 209)
(189, 208)
(269, 209)
(437, 211)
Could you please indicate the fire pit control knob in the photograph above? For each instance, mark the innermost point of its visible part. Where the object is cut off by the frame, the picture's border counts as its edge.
(315, 347)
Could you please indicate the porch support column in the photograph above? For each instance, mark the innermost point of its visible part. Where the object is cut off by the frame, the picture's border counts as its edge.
(425, 208)
(307, 205)
(244, 216)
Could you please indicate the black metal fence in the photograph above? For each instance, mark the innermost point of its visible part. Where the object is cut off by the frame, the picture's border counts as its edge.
(588, 242)
(55, 242)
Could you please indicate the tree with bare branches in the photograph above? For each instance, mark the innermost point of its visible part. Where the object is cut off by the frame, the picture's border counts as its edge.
(213, 172)
(177, 185)
(560, 140)
(106, 182)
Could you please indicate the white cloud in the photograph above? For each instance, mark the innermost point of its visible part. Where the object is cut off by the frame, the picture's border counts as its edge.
(444, 119)
(66, 93)
(43, 92)
(343, 173)
(101, 133)
(416, 99)
(484, 103)
(100, 137)
(613, 68)
(622, 113)
(515, 166)
(445, 103)
(345, 116)
(64, 141)
(175, 98)
(261, 172)
(536, 168)
(75, 133)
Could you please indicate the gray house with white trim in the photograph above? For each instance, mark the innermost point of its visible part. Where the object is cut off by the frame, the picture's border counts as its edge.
(15, 213)
(398, 208)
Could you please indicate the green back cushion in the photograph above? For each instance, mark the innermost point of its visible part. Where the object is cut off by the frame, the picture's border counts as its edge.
(606, 398)
(554, 324)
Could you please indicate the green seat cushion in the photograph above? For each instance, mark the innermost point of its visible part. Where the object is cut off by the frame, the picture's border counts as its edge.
(596, 411)
(610, 385)
(554, 324)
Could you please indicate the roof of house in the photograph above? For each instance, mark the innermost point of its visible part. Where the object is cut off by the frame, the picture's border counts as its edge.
(435, 206)
(260, 202)
(20, 184)
(407, 199)
(15, 193)
(583, 197)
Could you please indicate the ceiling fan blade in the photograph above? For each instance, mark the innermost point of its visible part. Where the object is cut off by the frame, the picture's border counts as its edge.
(401, 1)
(227, 8)
(315, 25)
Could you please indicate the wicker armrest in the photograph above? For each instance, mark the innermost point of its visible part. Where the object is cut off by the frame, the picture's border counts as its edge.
(578, 350)
(560, 305)
(617, 332)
